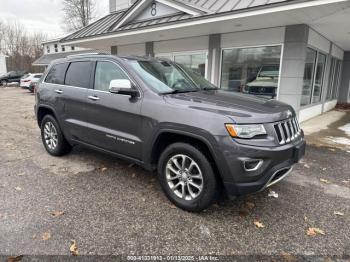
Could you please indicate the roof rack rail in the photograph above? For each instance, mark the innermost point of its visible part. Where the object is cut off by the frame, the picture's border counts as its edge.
(84, 54)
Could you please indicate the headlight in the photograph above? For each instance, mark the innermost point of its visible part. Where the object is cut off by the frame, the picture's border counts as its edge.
(245, 131)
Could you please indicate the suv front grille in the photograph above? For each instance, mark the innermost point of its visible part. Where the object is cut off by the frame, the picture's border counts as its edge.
(287, 130)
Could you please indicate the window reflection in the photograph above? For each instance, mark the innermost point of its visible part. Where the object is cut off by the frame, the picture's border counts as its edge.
(251, 70)
(196, 62)
(321, 64)
(308, 76)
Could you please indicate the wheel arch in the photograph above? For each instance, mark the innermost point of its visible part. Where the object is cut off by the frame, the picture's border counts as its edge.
(168, 137)
(44, 110)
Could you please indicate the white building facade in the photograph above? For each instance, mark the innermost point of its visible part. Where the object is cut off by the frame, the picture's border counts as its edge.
(53, 50)
(294, 51)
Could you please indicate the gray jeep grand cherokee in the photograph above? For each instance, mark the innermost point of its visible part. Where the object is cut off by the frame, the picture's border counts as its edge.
(162, 116)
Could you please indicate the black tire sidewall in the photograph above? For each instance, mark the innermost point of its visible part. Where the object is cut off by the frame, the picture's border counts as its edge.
(61, 147)
(207, 196)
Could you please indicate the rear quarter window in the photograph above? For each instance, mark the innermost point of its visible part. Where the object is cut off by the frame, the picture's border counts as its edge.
(56, 74)
(79, 74)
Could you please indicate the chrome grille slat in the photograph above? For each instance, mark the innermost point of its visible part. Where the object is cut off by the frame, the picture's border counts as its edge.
(295, 127)
(283, 138)
(287, 130)
(291, 129)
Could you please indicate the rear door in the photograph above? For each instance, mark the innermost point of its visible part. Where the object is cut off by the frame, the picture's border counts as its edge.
(71, 96)
(114, 119)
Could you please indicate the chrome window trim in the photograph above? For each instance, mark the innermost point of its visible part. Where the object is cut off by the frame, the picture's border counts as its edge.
(92, 60)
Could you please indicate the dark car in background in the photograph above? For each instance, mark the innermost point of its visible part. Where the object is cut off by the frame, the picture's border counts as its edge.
(165, 117)
(12, 77)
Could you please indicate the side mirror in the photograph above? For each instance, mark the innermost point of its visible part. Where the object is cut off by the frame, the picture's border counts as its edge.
(122, 87)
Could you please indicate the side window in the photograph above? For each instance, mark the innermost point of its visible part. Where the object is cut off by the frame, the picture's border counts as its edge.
(56, 74)
(78, 74)
(105, 73)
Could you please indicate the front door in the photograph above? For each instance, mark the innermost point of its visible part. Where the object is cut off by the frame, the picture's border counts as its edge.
(114, 119)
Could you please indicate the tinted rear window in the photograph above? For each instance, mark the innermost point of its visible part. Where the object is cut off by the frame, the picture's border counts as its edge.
(56, 74)
(78, 74)
(37, 76)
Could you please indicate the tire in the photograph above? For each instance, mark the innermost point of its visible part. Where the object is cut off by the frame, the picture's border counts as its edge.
(3, 83)
(198, 199)
(52, 137)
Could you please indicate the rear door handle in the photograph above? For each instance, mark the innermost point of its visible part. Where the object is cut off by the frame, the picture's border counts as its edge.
(58, 91)
(94, 98)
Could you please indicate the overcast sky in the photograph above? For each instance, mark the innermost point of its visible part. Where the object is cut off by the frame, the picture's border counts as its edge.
(40, 15)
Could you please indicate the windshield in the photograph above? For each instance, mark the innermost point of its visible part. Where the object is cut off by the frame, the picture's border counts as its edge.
(167, 77)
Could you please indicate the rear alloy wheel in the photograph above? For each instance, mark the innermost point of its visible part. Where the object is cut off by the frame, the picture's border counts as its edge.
(52, 137)
(187, 177)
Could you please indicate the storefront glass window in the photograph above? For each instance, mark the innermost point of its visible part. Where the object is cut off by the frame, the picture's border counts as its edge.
(336, 81)
(321, 65)
(332, 75)
(251, 70)
(308, 76)
(196, 62)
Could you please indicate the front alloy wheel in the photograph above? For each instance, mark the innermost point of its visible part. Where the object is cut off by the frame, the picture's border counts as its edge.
(184, 177)
(187, 177)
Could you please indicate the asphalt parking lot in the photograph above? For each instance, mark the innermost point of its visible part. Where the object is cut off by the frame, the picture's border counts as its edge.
(109, 207)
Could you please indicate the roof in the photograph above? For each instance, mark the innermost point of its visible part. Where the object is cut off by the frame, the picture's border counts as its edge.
(219, 6)
(107, 24)
(99, 27)
(46, 59)
(53, 40)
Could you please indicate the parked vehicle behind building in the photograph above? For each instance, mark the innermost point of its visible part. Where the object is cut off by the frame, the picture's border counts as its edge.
(12, 77)
(165, 117)
(27, 79)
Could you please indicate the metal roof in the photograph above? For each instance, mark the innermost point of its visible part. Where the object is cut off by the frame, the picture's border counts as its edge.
(105, 24)
(219, 6)
(161, 20)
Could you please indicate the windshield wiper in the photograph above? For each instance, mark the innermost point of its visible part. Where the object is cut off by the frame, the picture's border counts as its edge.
(179, 91)
(209, 88)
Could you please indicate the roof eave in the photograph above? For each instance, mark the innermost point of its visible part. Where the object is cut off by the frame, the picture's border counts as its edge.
(275, 7)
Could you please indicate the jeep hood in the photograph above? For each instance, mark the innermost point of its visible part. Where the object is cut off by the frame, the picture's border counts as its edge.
(240, 108)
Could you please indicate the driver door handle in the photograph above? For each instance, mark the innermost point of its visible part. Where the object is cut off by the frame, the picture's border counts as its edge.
(58, 91)
(94, 98)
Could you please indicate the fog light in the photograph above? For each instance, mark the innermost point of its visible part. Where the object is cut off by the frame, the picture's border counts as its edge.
(252, 164)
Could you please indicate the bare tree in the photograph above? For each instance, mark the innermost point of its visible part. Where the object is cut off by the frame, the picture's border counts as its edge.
(78, 14)
(20, 47)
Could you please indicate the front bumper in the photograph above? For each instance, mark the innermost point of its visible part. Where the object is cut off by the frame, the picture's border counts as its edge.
(277, 164)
